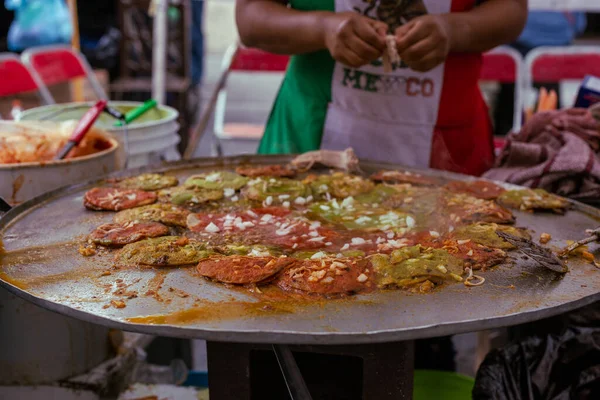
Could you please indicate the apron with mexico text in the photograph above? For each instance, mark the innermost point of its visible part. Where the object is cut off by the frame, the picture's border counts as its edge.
(434, 119)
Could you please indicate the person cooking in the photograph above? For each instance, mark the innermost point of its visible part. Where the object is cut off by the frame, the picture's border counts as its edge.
(427, 112)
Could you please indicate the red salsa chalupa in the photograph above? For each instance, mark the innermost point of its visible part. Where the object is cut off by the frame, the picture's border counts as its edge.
(323, 234)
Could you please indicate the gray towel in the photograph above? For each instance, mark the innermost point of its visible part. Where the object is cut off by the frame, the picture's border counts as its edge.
(557, 151)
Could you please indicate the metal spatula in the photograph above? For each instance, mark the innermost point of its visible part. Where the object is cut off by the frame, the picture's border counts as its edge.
(542, 255)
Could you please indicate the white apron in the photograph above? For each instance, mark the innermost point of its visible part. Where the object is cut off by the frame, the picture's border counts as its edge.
(384, 117)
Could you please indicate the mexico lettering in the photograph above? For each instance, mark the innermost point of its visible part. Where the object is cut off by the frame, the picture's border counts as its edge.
(388, 84)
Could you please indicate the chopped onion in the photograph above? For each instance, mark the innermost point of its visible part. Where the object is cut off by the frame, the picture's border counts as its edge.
(300, 201)
(192, 220)
(397, 243)
(468, 280)
(258, 253)
(212, 228)
(315, 225)
(347, 202)
(358, 241)
(363, 219)
(214, 177)
(252, 214)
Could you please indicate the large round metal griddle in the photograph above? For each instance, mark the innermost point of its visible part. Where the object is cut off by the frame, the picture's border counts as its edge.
(42, 265)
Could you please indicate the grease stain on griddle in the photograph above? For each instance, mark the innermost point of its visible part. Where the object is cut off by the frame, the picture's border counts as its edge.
(217, 311)
(25, 268)
(15, 282)
(155, 284)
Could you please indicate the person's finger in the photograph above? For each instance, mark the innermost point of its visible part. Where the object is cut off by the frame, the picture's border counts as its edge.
(415, 33)
(362, 49)
(403, 29)
(367, 32)
(380, 27)
(427, 63)
(418, 50)
(350, 58)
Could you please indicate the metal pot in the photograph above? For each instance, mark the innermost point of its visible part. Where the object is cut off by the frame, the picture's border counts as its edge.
(38, 346)
(23, 181)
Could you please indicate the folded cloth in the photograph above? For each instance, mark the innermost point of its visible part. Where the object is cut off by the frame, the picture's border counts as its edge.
(558, 151)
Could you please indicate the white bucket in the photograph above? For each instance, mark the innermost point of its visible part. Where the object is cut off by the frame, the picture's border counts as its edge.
(153, 151)
(152, 137)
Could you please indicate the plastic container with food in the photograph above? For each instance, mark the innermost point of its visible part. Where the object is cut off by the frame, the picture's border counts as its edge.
(28, 149)
(153, 136)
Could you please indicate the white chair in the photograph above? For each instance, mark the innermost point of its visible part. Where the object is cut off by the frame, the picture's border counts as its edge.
(239, 59)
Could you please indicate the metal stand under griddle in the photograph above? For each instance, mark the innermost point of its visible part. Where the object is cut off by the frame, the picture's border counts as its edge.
(379, 371)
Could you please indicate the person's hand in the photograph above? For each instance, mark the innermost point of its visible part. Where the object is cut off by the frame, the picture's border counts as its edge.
(424, 42)
(353, 39)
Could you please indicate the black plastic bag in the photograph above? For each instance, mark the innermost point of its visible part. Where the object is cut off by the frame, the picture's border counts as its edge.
(551, 367)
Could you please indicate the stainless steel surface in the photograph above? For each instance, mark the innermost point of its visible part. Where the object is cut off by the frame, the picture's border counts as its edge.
(291, 373)
(60, 279)
(37, 346)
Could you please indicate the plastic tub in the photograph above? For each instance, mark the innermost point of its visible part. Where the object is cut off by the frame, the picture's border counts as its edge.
(151, 136)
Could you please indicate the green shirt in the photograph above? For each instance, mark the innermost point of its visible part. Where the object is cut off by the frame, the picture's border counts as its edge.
(296, 121)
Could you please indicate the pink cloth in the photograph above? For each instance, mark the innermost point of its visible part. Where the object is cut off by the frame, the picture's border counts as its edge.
(556, 150)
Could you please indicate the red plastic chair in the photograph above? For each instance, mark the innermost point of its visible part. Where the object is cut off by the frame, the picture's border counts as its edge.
(238, 59)
(16, 78)
(505, 65)
(58, 64)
